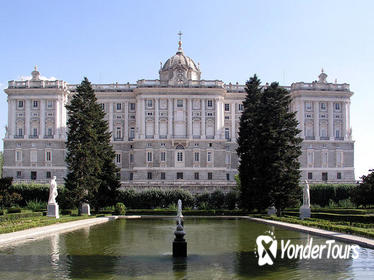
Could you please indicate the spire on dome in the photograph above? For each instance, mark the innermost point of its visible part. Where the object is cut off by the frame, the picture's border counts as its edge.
(180, 50)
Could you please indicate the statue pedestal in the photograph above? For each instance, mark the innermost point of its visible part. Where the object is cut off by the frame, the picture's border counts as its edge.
(272, 211)
(305, 212)
(53, 210)
(179, 248)
(86, 210)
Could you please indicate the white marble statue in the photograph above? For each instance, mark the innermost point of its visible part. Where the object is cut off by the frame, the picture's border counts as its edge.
(52, 191)
(306, 194)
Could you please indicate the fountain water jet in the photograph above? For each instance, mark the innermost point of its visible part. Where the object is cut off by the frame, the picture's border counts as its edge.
(179, 243)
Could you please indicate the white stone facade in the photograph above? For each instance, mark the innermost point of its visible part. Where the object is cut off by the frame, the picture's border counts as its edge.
(176, 131)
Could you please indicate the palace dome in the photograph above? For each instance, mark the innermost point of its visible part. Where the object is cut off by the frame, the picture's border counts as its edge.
(179, 69)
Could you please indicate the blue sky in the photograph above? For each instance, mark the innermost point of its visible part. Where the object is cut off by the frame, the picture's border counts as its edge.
(124, 41)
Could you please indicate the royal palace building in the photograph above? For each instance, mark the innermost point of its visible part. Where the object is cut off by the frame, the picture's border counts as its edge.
(179, 130)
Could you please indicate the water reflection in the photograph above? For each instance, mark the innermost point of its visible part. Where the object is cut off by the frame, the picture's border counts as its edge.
(140, 249)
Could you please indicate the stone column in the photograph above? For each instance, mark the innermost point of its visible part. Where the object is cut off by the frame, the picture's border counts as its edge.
(233, 122)
(302, 118)
(316, 121)
(331, 120)
(12, 126)
(126, 129)
(349, 136)
(203, 131)
(218, 119)
(157, 130)
(42, 119)
(110, 118)
(142, 118)
(189, 118)
(57, 118)
(27, 117)
(344, 120)
(138, 119)
(170, 118)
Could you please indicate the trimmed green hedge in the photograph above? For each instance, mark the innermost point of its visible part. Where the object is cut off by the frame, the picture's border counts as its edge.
(17, 216)
(220, 212)
(320, 194)
(335, 217)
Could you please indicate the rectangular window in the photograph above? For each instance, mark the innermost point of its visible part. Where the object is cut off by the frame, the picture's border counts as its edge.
(132, 106)
(196, 175)
(118, 158)
(310, 175)
(48, 156)
(35, 104)
(20, 131)
(163, 176)
(18, 155)
(197, 156)
(163, 156)
(102, 106)
(337, 107)
(210, 144)
(149, 175)
(119, 106)
(48, 175)
(132, 132)
(35, 131)
(210, 175)
(324, 176)
(227, 107)
(49, 131)
(240, 107)
(209, 156)
(308, 106)
(33, 175)
(180, 156)
(49, 104)
(19, 174)
(210, 103)
(131, 158)
(227, 117)
(339, 175)
(149, 156)
(323, 106)
(118, 133)
(149, 103)
(179, 103)
(20, 103)
(131, 176)
(228, 176)
(33, 156)
(227, 133)
(180, 175)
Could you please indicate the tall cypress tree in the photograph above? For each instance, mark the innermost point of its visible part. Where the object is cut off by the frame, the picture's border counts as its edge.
(90, 157)
(269, 148)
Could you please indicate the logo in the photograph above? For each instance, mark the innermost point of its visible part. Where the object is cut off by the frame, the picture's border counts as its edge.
(266, 249)
(267, 245)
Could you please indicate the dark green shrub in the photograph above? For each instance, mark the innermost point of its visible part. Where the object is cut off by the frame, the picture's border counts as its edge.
(36, 205)
(120, 209)
(363, 194)
(13, 210)
(321, 194)
(1, 212)
(202, 201)
(231, 200)
(66, 212)
(17, 216)
(216, 199)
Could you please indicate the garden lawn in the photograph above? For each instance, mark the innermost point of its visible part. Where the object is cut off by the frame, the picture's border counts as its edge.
(31, 222)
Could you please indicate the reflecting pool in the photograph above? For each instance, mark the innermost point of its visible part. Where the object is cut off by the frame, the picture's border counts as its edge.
(141, 249)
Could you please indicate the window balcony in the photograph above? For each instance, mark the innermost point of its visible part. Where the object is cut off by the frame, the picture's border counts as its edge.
(196, 137)
(310, 138)
(118, 138)
(339, 138)
(324, 138)
(163, 136)
(131, 138)
(209, 137)
(18, 136)
(48, 136)
(33, 136)
(149, 137)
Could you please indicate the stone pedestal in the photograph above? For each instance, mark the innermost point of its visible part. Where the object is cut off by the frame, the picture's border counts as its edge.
(305, 212)
(179, 248)
(53, 210)
(86, 210)
(272, 211)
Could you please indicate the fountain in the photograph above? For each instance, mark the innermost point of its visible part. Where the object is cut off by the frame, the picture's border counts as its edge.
(179, 243)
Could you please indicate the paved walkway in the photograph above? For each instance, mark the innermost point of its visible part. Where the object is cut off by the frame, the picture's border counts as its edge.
(39, 232)
(362, 241)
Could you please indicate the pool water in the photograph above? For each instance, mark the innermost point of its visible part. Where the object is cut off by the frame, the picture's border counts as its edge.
(141, 249)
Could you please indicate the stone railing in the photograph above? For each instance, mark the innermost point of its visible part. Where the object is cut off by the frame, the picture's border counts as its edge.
(108, 87)
(320, 86)
(37, 84)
